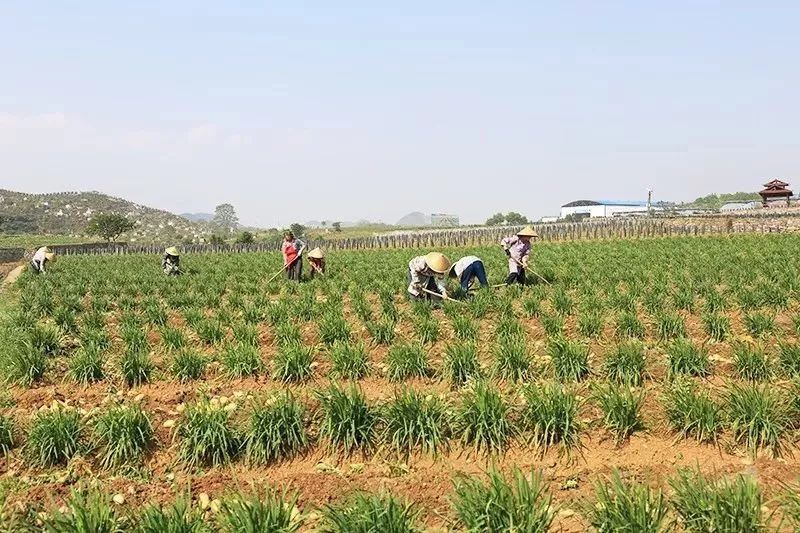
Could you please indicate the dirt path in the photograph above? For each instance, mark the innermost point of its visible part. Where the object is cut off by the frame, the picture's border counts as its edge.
(13, 275)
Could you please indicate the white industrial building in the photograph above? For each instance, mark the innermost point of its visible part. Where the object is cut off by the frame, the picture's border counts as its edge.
(739, 206)
(602, 209)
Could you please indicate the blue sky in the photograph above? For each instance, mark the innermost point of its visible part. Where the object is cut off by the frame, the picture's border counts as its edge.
(348, 110)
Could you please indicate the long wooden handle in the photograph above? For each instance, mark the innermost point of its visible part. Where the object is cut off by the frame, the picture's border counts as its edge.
(287, 265)
(532, 271)
(442, 296)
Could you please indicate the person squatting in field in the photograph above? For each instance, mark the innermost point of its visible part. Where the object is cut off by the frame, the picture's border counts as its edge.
(427, 272)
(466, 270)
(316, 260)
(171, 263)
(518, 249)
(40, 258)
(292, 249)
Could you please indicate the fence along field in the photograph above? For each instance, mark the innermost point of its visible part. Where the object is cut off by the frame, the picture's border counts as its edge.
(654, 381)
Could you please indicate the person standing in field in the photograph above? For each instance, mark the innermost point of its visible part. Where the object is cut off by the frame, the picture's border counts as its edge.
(292, 249)
(427, 272)
(467, 269)
(518, 248)
(40, 258)
(316, 259)
(171, 263)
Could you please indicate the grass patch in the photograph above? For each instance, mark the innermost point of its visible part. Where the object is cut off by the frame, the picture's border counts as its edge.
(482, 419)
(123, 434)
(349, 424)
(207, 436)
(416, 422)
(621, 506)
(551, 415)
(276, 431)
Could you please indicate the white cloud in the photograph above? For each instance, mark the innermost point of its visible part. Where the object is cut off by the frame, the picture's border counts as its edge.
(203, 134)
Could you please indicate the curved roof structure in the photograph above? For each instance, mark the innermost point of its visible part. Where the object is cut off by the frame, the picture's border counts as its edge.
(581, 203)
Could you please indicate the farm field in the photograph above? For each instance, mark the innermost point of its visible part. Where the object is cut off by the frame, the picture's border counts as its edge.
(653, 382)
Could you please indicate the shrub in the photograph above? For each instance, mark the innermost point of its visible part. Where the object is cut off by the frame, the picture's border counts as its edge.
(292, 363)
(518, 504)
(627, 507)
(551, 414)
(692, 413)
(511, 358)
(86, 511)
(570, 360)
(123, 435)
(683, 358)
(268, 510)
(349, 360)
(482, 420)
(621, 409)
(626, 365)
(415, 422)
(54, 437)
(362, 513)
(407, 360)
(276, 431)
(179, 517)
(759, 416)
(135, 368)
(726, 505)
(188, 365)
(241, 360)
(207, 436)
(461, 363)
(349, 423)
(751, 362)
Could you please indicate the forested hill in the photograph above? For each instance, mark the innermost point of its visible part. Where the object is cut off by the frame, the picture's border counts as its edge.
(68, 213)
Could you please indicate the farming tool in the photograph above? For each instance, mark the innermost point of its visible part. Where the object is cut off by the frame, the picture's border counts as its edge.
(287, 265)
(529, 269)
(442, 296)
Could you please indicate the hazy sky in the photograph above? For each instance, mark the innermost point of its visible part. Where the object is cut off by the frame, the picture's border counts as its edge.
(344, 110)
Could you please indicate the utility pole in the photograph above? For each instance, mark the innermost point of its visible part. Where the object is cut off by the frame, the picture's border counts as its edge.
(649, 201)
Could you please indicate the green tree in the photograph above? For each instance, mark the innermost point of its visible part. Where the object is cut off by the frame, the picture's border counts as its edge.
(225, 218)
(216, 239)
(245, 237)
(109, 226)
(515, 219)
(337, 227)
(496, 220)
(297, 229)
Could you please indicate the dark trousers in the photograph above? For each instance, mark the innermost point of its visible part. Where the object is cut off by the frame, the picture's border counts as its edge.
(36, 266)
(295, 270)
(476, 270)
(516, 277)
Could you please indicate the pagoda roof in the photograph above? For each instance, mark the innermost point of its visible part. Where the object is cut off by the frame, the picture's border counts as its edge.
(775, 184)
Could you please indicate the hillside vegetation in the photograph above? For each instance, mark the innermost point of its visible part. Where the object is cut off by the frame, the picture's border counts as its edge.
(68, 213)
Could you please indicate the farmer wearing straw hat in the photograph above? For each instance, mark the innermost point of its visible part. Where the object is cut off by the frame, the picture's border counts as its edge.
(292, 250)
(316, 258)
(171, 262)
(518, 248)
(426, 273)
(40, 258)
(467, 269)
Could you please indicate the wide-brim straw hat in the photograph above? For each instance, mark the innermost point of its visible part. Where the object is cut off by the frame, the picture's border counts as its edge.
(172, 251)
(527, 231)
(50, 256)
(316, 253)
(437, 262)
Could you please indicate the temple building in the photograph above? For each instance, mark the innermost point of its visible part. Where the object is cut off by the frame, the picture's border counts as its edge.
(775, 189)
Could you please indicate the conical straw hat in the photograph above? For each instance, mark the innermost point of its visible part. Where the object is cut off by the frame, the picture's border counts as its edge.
(316, 253)
(50, 256)
(437, 262)
(172, 251)
(527, 231)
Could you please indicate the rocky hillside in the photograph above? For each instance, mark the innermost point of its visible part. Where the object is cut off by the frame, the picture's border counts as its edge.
(68, 213)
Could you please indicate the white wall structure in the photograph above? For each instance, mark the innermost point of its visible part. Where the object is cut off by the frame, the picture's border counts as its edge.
(601, 209)
(740, 206)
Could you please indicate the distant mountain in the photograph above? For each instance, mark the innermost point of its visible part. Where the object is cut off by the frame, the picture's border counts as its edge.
(68, 213)
(198, 217)
(415, 219)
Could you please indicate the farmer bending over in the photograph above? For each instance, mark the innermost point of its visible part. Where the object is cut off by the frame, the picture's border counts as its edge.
(42, 256)
(518, 248)
(427, 272)
(316, 259)
(292, 256)
(467, 269)
(171, 263)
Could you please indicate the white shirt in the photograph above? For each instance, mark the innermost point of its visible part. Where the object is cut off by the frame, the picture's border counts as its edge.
(462, 264)
(39, 255)
(420, 274)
